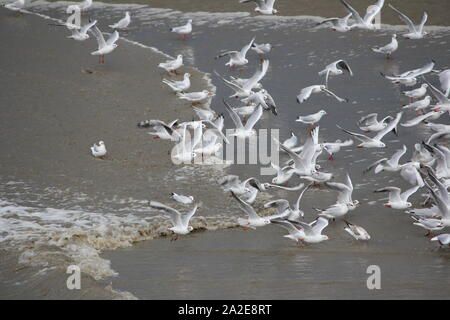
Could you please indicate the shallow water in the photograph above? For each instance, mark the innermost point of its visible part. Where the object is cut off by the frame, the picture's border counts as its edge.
(261, 263)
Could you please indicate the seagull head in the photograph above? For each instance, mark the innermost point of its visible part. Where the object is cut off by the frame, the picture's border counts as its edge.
(190, 228)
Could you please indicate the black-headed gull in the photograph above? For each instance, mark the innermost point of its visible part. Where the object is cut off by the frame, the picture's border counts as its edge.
(428, 224)
(334, 147)
(122, 23)
(443, 101)
(183, 30)
(388, 49)
(410, 76)
(254, 220)
(283, 174)
(335, 211)
(313, 231)
(263, 98)
(99, 150)
(334, 69)
(180, 222)
(263, 6)
(422, 155)
(415, 32)
(182, 198)
(104, 47)
(370, 123)
(419, 105)
(283, 206)
(444, 78)
(242, 131)
(82, 6)
(237, 58)
(443, 239)
(261, 49)
(173, 64)
(410, 173)
(179, 86)
(345, 191)
(357, 232)
(385, 164)
(195, 97)
(295, 232)
(162, 130)
(338, 24)
(234, 184)
(368, 21)
(82, 33)
(432, 115)
(312, 118)
(397, 199)
(442, 156)
(305, 93)
(417, 93)
(375, 142)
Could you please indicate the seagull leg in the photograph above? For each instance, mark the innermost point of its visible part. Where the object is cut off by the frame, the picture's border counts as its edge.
(331, 158)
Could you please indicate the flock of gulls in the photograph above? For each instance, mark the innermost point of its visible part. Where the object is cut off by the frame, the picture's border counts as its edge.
(427, 170)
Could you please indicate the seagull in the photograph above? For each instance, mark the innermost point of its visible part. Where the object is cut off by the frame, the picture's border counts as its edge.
(375, 142)
(337, 210)
(443, 101)
(336, 68)
(305, 93)
(183, 30)
(312, 118)
(205, 114)
(283, 174)
(415, 32)
(181, 198)
(442, 156)
(104, 47)
(389, 48)
(432, 115)
(334, 147)
(317, 177)
(122, 23)
(398, 200)
(195, 97)
(237, 58)
(417, 93)
(254, 220)
(295, 233)
(180, 222)
(357, 232)
(410, 76)
(339, 24)
(385, 164)
(410, 173)
(419, 105)
(242, 131)
(184, 149)
(371, 12)
(263, 6)
(85, 4)
(261, 49)
(283, 205)
(162, 130)
(99, 150)
(345, 191)
(263, 98)
(172, 65)
(313, 231)
(179, 86)
(244, 89)
(428, 224)
(442, 202)
(443, 239)
(444, 78)
(82, 34)
(422, 155)
(370, 123)
(234, 184)
(16, 5)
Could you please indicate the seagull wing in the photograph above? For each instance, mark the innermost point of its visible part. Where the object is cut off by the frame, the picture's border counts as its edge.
(390, 127)
(99, 36)
(405, 19)
(393, 161)
(355, 13)
(175, 215)
(248, 209)
(254, 118)
(113, 38)
(358, 136)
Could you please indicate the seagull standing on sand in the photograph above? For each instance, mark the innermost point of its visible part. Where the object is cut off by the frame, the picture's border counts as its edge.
(122, 23)
(179, 86)
(172, 65)
(104, 47)
(99, 150)
(263, 6)
(375, 142)
(183, 30)
(180, 222)
(389, 48)
(415, 32)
